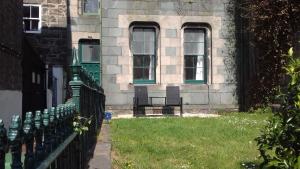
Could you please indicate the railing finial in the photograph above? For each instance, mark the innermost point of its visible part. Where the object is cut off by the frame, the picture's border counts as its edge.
(3, 144)
(75, 66)
(14, 137)
(28, 138)
(75, 57)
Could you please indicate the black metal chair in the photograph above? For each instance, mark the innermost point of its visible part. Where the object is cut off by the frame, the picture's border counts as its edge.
(140, 100)
(173, 97)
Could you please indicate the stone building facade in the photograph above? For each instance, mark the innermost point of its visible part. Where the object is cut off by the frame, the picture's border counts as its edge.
(177, 29)
(141, 42)
(11, 57)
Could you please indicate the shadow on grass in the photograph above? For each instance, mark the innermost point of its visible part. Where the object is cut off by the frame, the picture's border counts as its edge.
(249, 165)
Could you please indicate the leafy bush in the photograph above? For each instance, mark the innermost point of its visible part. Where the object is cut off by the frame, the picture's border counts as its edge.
(279, 144)
(261, 110)
(81, 124)
(272, 25)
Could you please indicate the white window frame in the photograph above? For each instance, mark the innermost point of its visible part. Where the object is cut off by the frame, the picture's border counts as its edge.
(40, 18)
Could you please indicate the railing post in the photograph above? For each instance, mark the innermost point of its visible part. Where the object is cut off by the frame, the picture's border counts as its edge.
(57, 126)
(76, 81)
(76, 85)
(14, 137)
(3, 144)
(59, 132)
(28, 138)
(70, 119)
(63, 135)
(52, 127)
(47, 133)
(39, 152)
(64, 121)
(52, 131)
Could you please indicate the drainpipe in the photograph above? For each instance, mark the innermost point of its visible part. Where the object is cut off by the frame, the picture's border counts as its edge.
(208, 98)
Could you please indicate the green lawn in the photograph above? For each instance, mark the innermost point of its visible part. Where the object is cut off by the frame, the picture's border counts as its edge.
(211, 143)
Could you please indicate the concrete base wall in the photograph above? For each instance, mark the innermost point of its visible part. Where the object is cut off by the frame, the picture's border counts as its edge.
(190, 109)
(10, 104)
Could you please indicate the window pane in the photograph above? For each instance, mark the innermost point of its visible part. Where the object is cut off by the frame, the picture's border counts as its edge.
(149, 48)
(34, 25)
(26, 11)
(151, 73)
(91, 6)
(200, 61)
(146, 74)
(194, 35)
(34, 12)
(193, 48)
(90, 53)
(189, 61)
(149, 34)
(143, 41)
(138, 73)
(199, 73)
(138, 61)
(138, 34)
(137, 47)
(152, 68)
(194, 67)
(95, 53)
(26, 24)
(86, 53)
(189, 74)
(200, 68)
(144, 65)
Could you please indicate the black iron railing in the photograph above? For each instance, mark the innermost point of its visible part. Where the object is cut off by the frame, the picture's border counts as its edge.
(47, 139)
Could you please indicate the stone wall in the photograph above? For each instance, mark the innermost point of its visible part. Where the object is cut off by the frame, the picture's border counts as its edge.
(53, 43)
(83, 26)
(170, 15)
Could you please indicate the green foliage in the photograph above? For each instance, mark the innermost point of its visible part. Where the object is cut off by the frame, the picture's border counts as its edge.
(272, 25)
(279, 143)
(260, 110)
(81, 124)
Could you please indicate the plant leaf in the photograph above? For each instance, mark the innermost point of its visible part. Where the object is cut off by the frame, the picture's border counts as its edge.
(290, 52)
